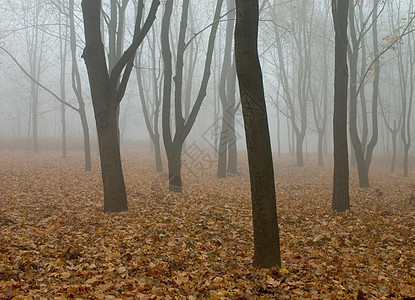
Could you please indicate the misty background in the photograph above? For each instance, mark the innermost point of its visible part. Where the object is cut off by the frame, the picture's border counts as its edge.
(295, 38)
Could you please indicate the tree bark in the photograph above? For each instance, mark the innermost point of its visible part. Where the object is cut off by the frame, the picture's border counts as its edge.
(340, 200)
(264, 209)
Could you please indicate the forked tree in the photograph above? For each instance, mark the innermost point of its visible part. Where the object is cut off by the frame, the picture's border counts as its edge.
(261, 172)
(173, 141)
(107, 91)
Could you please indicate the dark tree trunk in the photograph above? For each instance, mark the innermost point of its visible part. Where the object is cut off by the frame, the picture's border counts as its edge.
(340, 201)
(175, 165)
(114, 188)
(107, 91)
(264, 209)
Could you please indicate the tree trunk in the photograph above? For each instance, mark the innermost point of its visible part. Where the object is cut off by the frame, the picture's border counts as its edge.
(115, 198)
(405, 160)
(320, 148)
(394, 137)
(299, 150)
(174, 143)
(85, 131)
(340, 201)
(223, 143)
(77, 87)
(63, 122)
(232, 148)
(34, 93)
(157, 153)
(264, 209)
(174, 158)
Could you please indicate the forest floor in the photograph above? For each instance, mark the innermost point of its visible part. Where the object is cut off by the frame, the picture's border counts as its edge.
(56, 242)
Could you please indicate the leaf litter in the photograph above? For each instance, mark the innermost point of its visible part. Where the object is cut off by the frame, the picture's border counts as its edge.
(56, 242)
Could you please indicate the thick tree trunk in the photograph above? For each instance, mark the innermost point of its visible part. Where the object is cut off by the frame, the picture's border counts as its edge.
(340, 201)
(115, 198)
(107, 91)
(264, 209)
(174, 158)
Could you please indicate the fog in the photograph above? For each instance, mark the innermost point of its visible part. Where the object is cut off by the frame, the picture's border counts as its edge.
(297, 34)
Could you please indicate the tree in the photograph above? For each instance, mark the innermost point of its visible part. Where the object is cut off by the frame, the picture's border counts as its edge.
(107, 90)
(406, 67)
(77, 87)
(264, 209)
(174, 143)
(227, 143)
(297, 100)
(340, 200)
(151, 104)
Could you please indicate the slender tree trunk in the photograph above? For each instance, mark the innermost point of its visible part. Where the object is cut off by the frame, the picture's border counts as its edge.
(85, 131)
(299, 150)
(63, 122)
(264, 209)
(223, 147)
(232, 148)
(157, 153)
(320, 149)
(394, 137)
(77, 87)
(35, 100)
(174, 143)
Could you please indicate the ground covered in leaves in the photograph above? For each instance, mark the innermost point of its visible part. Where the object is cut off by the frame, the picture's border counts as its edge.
(56, 242)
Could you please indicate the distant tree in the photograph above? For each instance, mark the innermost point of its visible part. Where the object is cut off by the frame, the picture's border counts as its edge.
(406, 65)
(77, 86)
(227, 152)
(264, 208)
(150, 97)
(340, 201)
(107, 90)
(174, 143)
